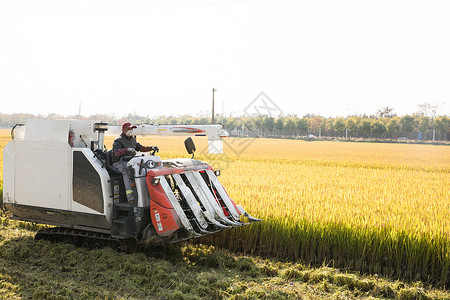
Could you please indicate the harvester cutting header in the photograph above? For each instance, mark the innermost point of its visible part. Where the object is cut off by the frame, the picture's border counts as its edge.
(59, 172)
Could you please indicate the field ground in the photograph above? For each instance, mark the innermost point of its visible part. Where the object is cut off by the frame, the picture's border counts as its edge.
(365, 207)
(42, 270)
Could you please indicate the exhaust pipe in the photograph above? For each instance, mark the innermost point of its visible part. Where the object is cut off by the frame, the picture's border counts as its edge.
(101, 127)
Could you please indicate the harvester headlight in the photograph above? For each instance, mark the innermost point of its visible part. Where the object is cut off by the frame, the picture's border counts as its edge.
(217, 172)
(150, 164)
(155, 181)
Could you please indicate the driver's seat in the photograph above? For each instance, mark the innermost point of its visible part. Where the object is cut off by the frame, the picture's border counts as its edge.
(109, 166)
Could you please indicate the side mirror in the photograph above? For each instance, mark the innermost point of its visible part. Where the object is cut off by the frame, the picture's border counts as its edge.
(190, 146)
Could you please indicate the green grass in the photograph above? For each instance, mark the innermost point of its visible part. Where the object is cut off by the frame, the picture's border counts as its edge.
(44, 270)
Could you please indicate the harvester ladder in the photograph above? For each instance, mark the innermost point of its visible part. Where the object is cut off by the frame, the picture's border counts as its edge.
(122, 219)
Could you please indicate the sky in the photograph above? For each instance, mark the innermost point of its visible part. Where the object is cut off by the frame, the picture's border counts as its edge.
(164, 57)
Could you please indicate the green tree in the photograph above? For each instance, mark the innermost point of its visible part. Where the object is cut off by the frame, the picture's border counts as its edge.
(289, 125)
(339, 125)
(425, 124)
(257, 123)
(314, 124)
(365, 127)
(302, 126)
(407, 123)
(248, 125)
(327, 127)
(279, 124)
(186, 119)
(443, 126)
(393, 127)
(268, 124)
(230, 123)
(352, 125)
(378, 128)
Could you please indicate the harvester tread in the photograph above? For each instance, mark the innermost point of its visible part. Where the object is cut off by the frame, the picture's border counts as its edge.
(88, 239)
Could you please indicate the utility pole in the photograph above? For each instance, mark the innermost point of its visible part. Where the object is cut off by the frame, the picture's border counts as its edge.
(212, 119)
(223, 100)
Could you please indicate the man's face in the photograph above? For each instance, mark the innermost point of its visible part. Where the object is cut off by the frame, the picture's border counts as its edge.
(128, 132)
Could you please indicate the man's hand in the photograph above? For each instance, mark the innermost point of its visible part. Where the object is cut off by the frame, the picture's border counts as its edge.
(149, 148)
(154, 148)
(131, 151)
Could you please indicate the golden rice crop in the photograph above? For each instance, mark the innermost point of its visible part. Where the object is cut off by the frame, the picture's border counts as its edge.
(381, 208)
(399, 186)
(372, 207)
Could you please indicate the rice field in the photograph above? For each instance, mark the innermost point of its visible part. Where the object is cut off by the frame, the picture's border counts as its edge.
(376, 208)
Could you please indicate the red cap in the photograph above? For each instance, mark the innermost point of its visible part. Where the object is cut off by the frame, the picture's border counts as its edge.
(127, 125)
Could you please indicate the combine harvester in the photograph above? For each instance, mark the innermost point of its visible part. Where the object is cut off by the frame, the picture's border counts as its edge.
(59, 172)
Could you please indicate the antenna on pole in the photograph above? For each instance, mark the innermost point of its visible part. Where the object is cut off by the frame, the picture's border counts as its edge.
(212, 119)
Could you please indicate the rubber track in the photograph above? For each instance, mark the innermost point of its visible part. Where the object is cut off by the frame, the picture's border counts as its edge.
(87, 239)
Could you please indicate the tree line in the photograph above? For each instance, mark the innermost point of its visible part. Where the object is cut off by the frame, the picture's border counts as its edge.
(380, 126)
(409, 127)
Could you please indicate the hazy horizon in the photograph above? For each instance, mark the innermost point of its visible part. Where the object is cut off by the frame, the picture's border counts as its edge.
(157, 58)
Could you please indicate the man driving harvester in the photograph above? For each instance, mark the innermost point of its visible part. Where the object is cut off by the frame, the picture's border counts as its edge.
(126, 144)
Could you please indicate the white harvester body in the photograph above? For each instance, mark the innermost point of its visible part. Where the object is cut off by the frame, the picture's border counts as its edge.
(56, 172)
